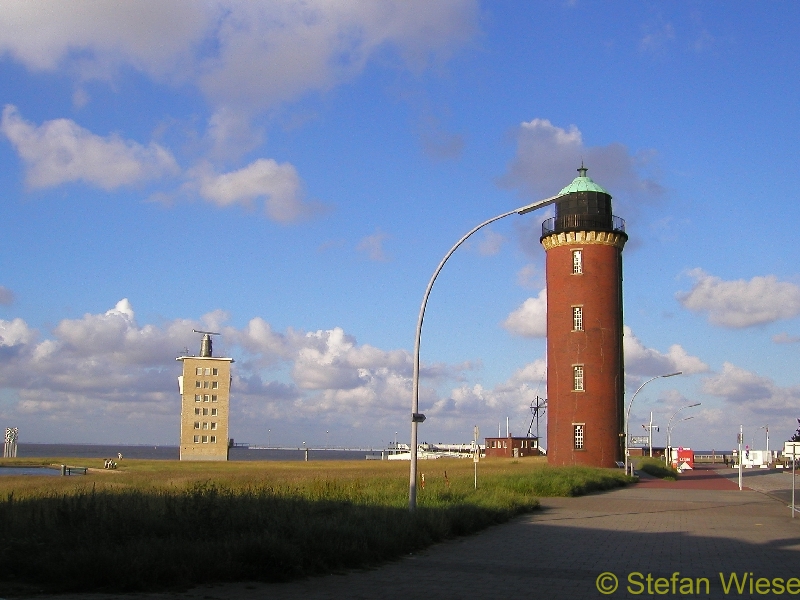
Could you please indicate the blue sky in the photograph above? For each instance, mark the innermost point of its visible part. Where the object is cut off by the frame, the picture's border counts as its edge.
(291, 173)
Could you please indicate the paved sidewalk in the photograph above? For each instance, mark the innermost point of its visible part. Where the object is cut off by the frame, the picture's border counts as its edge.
(559, 552)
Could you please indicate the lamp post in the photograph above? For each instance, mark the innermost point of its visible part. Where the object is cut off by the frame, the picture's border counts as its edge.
(669, 430)
(628, 413)
(669, 436)
(416, 416)
(754, 440)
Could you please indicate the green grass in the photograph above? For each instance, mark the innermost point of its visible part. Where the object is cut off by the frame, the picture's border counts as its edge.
(155, 525)
(657, 468)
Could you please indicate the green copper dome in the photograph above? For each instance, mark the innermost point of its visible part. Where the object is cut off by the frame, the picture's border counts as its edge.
(582, 183)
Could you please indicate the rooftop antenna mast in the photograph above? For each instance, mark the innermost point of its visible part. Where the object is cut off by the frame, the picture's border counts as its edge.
(205, 344)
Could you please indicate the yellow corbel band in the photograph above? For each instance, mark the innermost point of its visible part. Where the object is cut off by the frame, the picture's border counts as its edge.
(607, 238)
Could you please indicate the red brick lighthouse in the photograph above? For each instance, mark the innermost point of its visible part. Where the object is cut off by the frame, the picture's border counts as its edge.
(585, 372)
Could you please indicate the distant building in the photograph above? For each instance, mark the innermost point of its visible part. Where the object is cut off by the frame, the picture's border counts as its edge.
(205, 389)
(512, 447)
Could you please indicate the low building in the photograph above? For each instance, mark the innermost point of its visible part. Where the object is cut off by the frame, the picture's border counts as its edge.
(512, 447)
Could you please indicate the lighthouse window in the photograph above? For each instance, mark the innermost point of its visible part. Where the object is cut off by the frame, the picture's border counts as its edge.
(199, 371)
(197, 384)
(577, 262)
(215, 371)
(578, 435)
(197, 439)
(577, 318)
(197, 425)
(213, 397)
(214, 385)
(577, 378)
(197, 397)
(213, 439)
(213, 412)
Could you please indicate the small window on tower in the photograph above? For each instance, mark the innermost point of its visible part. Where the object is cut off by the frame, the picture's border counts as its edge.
(197, 439)
(215, 371)
(197, 383)
(213, 439)
(577, 318)
(197, 411)
(199, 371)
(213, 425)
(577, 378)
(205, 411)
(197, 397)
(213, 397)
(208, 370)
(205, 384)
(577, 262)
(206, 398)
(197, 425)
(213, 412)
(578, 431)
(214, 385)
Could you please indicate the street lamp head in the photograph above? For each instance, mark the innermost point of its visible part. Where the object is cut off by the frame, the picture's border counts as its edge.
(673, 374)
(695, 404)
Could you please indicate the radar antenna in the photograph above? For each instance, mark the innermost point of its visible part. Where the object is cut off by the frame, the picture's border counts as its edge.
(538, 409)
(205, 343)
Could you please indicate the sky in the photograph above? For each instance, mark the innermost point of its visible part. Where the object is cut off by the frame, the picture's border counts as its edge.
(290, 174)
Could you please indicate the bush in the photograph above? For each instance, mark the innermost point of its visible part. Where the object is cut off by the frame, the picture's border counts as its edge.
(656, 468)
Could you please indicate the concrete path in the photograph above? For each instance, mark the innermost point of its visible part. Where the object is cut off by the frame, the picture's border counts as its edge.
(559, 552)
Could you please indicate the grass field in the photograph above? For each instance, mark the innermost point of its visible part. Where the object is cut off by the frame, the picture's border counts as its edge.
(154, 525)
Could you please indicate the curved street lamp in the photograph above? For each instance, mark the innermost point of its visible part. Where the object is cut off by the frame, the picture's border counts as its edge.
(416, 416)
(669, 430)
(628, 413)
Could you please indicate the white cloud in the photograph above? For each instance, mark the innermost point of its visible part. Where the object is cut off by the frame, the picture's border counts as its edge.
(511, 396)
(491, 243)
(547, 155)
(738, 304)
(530, 319)
(757, 393)
(7, 296)
(277, 184)
(648, 362)
(785, 338)
(529, 277)
(60, 151)
(248, 55)
(372, 246)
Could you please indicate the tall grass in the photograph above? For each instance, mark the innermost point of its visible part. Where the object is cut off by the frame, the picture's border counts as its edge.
(164, 525)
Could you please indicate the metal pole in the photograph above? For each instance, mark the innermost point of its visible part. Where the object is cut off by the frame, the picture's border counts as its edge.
(628, 413)
(416, 417)
(741, 435)
(650, 434)
(794, 449)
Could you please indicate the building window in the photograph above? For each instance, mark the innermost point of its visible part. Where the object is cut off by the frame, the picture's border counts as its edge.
(213, 425)
(213, 397)
(205, 384)
(213, 439)
(213, 412)
(205, 411)
(578, 431)
(505, 444)
(215, 371)
(214, 385)
(205, 424)
(208, 370)
(577, 378)
(199, 371)
(577, 318)
(197, 411)
(577, 262)
(205, 439)
(196, 439)
(197, 424)
(206, 398)
(197, 397)
(197, 383)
